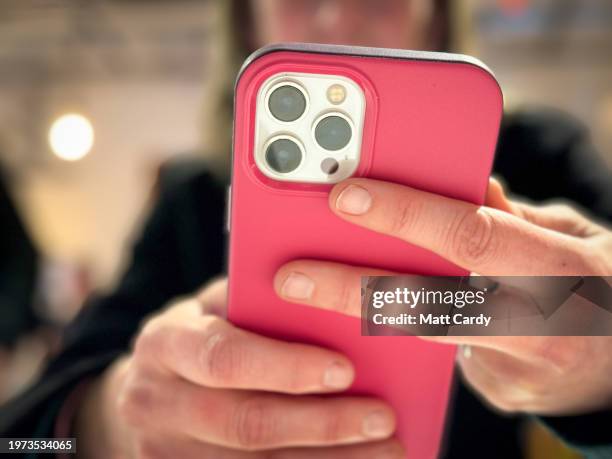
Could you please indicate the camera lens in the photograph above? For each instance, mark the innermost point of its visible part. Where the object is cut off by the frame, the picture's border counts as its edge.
(333, 133)
(287, 103)
(283, 155)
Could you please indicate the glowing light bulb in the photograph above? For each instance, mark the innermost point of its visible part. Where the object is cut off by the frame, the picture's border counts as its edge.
(71, 137)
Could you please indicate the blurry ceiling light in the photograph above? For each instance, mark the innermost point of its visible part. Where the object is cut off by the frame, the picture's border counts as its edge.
(71, 137)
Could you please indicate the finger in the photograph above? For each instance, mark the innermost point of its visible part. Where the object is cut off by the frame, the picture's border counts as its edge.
(388, 449)
(325, 285)
(558, 217)
(209, 351)
(496, 197)
(502, 394)
(161, 445)
(480, 239)
(525, 377)
(551, 352)
(258, 420)
(265, 421)
(188, 448)
(213, 297)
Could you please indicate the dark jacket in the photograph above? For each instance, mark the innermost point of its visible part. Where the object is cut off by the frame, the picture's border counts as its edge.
(18, 272)
(541, 155)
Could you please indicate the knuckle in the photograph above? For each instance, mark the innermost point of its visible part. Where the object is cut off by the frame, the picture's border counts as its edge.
(565, 211)
(405, 216)
(222, 357)
(150, 340)
(473, 239)
(346, 297)
(134, 402)
(332, 428)
(252, 426)
(570, 219)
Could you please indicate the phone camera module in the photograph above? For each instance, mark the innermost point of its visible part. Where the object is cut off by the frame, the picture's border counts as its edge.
(287, 103)
(330, 166)
(333, 132)
(283, 155)
(308, 127)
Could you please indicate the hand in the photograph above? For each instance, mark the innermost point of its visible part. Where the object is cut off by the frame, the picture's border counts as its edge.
(551, 375)
(195, 386)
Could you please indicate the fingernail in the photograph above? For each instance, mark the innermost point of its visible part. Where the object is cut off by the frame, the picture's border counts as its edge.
(337, 376)
(378, 425)
(297, 286)
(354, 200)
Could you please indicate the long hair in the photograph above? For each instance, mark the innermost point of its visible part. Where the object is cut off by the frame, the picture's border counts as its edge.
(232, 43)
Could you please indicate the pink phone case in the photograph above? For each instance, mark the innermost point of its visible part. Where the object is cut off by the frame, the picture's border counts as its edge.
(431, 122)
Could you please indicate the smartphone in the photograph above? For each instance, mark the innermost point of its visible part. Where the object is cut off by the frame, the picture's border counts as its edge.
(307, 116)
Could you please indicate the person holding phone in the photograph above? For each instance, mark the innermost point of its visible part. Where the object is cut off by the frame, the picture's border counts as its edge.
(154, 370)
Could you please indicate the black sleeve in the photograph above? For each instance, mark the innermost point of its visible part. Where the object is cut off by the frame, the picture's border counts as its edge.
(18, 272)
(546, 154)
(162, 268)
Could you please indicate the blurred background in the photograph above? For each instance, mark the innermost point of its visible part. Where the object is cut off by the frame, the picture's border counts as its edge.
(95, 95)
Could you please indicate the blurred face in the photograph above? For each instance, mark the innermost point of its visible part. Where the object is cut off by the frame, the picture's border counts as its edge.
(380, 23)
